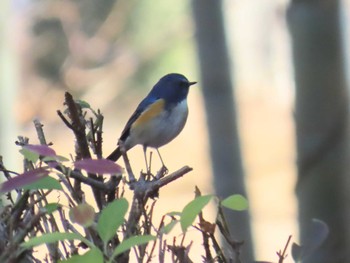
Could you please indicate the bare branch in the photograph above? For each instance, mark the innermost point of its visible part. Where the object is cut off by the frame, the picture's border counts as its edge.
(39, 131)
(283, 255)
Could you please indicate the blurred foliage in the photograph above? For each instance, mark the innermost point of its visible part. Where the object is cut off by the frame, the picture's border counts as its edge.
(37, 215)
(111, 49)
(93, 14)
(151, 38)
(53, 49)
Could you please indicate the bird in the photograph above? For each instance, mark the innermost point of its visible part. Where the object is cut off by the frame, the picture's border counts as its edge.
(159, 117)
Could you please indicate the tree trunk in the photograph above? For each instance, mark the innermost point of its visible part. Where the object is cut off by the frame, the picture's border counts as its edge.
(221, 114)
(8, 86)
(321, 125)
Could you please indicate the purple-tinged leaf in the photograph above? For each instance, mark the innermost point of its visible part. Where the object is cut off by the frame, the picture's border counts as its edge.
(100, 166)
(23, 180)
(43, 150)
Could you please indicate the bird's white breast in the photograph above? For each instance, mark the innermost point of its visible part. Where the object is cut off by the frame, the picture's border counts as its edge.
(163, 128)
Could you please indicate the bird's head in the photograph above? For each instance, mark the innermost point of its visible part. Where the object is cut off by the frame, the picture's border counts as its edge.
(173, 88)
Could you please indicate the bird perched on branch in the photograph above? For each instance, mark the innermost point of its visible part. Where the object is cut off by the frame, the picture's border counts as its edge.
(159, 118)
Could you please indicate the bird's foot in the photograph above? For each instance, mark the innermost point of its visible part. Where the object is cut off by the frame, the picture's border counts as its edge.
(162, 172)
(147, 175)
(164, 169)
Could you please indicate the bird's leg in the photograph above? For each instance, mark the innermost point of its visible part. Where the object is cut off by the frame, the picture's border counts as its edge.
(145, 155)
(150, 160)
(164, 167)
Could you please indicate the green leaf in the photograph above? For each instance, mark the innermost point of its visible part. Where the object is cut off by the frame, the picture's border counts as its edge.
(167, 228)
(174, 213)
(111, 218)
(92, 256)
(46, 182)
(192, 209)
(131, 242)
(235, 202)
(51, 207)
(29, 155)
(57, 158)
(83, 104)
(55, 237)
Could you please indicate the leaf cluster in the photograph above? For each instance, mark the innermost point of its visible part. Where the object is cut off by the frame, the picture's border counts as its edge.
(46, 206)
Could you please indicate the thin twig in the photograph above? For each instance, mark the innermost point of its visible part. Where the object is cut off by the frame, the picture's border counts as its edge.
(65, 121)
(11, 252)
(208, 256)
(142, 191)
(77, 126)
(160, 234)
(149, 187)
(283, 255)
(126, 162)
(234, 245)
(220, 254)
(40, 131)
(68, 227)
(108, 186)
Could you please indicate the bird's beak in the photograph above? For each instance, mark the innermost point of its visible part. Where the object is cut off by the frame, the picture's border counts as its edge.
(192, 83)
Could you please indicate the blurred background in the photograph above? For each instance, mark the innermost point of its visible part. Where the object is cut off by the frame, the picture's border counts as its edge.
(268, 117)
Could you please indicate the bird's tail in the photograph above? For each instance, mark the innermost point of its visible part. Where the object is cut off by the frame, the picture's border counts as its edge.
(115, 155)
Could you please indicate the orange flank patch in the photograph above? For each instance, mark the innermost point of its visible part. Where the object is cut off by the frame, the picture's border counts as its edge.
(151, 112)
